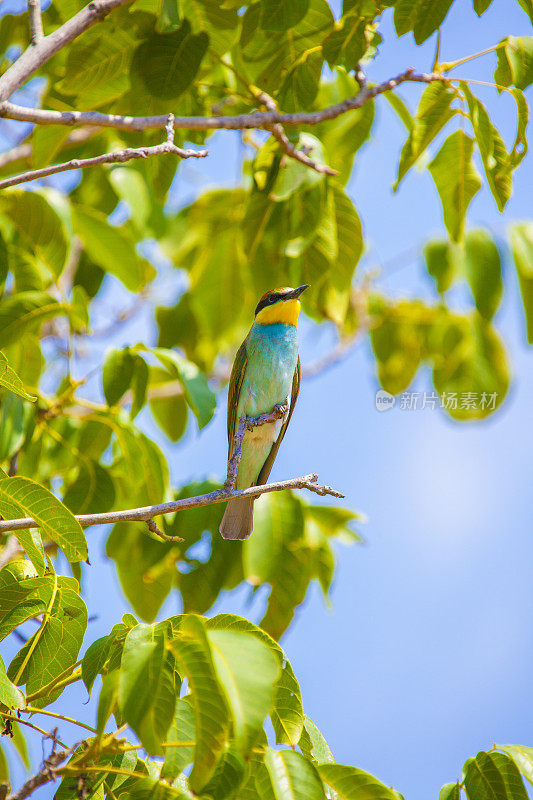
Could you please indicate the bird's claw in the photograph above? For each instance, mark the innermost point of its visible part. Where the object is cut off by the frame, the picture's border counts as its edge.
(280, 409)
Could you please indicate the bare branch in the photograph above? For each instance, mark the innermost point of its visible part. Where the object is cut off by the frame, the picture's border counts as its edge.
(45, 775)
(288, 148)
(146, 513)
(39, 53)
(244, 121)
(107, 158)
(36, 22)
(226, 492)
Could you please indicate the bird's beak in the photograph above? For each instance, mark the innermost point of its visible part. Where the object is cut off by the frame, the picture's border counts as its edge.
(297, 292)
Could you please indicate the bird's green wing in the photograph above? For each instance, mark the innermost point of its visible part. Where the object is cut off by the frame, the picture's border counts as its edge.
(234, 392)
(267, 466)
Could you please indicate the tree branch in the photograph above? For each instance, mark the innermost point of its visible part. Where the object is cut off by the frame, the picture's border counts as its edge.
(40, 52)
(226, 492)
(288, 148)
(108, 158)
(242, 122)
(36, 22)
(45, 775)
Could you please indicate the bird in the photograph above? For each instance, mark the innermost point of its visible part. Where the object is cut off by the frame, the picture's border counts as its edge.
(265, 374)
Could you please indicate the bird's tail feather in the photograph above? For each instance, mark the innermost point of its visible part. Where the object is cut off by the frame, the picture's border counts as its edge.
(238, 519)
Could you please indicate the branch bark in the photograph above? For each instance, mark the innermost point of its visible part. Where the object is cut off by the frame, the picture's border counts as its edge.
(242, 122)
(226, 492)
(108, 158)
(45, 775)
(36, 22)
(42, 51)
(288, 148)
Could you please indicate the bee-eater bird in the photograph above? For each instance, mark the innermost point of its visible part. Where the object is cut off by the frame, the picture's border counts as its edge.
(266, 372)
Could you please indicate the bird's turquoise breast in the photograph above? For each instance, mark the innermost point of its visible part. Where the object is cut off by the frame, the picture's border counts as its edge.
(272, 352)
(272, 356)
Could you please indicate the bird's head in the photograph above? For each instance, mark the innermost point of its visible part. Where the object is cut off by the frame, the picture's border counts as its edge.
(280, 306)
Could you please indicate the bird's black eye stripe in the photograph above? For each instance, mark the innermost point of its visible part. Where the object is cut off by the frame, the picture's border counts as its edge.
(267, 301)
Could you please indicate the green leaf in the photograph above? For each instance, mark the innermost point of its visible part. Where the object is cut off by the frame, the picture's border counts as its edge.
(105, 654)
(480, 6)
(313, 744)
(280, 16)
(432, 114)
(527, 5)
(107, 699)
(93, 490)
(98, 65)
(247, 670)
(55, 646)
(211, 717)
(139, 385)
(166, 63)
(483, 272)
(24, 312)
(351, 783)
(450, 791)
(521, 240)
(398, 345)
(456, 179)
(515, 62)
(199, 396)
(147, 693)
(22, 497)
(11, 426)
(419, 16)
(496, 159)
(470, 369)
(287, 711)
(493, 776)
(522, 757)
(10, 695)
(10, 379)
(47, 141)
(117, 374)
(288, 776)
(146, 568)
(441, 263)
(181, 730)
(111, 248)
(40, 225)
(343, 137)
(171, 414)
(218, 20)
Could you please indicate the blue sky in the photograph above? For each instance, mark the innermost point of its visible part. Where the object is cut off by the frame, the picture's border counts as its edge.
(425, 656)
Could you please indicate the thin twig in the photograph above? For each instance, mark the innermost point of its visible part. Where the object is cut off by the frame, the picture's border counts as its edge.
(38, 54)
(107, 158)
(242, 122)
(248, 424)
(287, 146)
(147, 513)
(36, 22)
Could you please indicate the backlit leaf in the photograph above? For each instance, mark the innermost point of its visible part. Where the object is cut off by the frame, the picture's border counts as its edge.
(10, 379)
(433, 113)
(493, 776)
(22, 497)
(419, 16)
(456, 179)
(289, 776)
(351, 783)
(515, 62)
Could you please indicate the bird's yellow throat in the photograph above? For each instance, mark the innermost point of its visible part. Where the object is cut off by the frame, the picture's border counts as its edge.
(286, 312)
